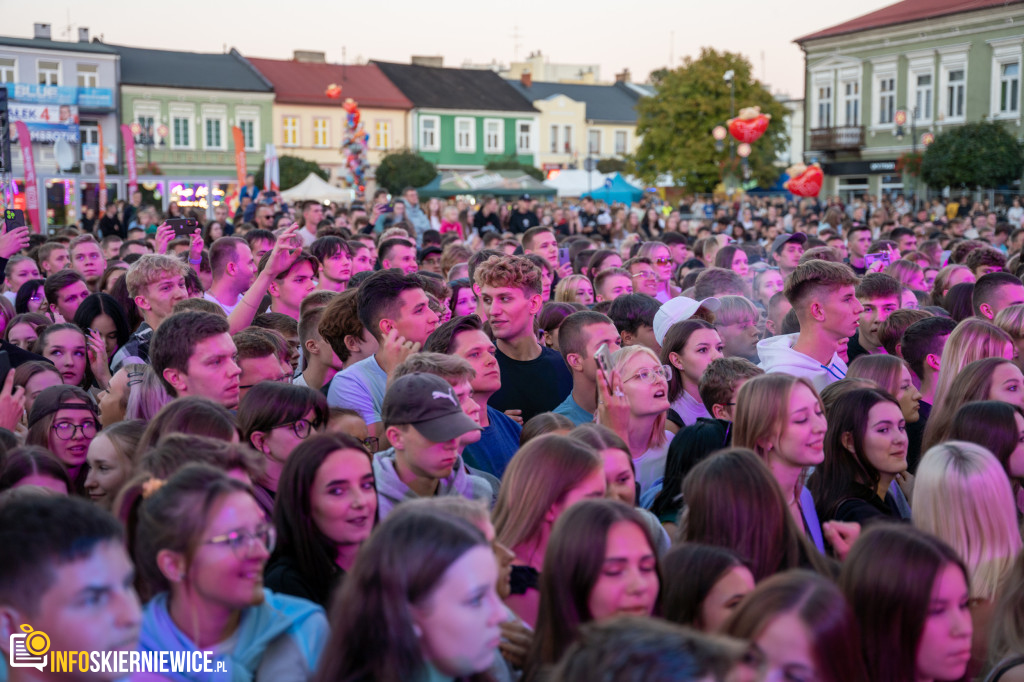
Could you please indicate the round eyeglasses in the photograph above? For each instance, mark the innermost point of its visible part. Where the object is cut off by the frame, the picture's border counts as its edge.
(301, 427)
(649, 375)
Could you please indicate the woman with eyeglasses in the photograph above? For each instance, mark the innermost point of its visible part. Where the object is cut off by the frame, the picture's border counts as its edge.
(63, 420)
(643, 384)
(274, 418)
(325, 509)
(661, 258)
(200, 546)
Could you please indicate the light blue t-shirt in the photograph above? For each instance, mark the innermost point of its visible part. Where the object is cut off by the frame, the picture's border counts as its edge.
(361, 388)
(571, 409)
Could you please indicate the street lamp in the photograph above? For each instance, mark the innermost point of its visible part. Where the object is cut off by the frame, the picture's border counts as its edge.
(744, 150)
(719, 133)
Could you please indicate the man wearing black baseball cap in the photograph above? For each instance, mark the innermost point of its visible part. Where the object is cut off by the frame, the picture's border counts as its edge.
(423, 421)
(522, 219)
(787, 249)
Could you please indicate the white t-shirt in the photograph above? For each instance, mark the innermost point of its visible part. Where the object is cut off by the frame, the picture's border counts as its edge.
(650, 466)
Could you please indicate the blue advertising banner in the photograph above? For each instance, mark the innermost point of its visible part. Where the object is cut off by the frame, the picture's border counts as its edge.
(90, 98)
(48, 122)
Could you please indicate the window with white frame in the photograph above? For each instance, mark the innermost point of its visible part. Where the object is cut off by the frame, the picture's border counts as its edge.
(554, 140)
(465, 135)
(147, 115)
(88, 76)
(567, 139)
(248, 119)
(956, 92)
(494, 136)
(594, 142)
(621, 138)
(215, 127)
(290, 131)
(182, 124)
(1009, 87)
(430, 133)
(1006, 64)
(953, 86)
(8, 69)
(382, 134)
(824, 96)
(321, 132)
(524, 137)
(48, 72)
(923, 96)
(885, 88)
(851, 102)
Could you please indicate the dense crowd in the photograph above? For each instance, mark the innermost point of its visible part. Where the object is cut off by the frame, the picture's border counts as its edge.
(520, 441)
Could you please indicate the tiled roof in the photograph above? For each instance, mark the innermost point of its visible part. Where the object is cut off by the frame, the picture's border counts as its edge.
(459, 89)
(201, 71)
(306, 83)
(605, 103)
(906, 12)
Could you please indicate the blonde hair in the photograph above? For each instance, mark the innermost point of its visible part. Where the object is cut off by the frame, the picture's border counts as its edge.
(903, 270)
(762, 411)
(150, 268)
(619, 360)
(963, 496)
(885, 370)
(539, 476)
(565, 292)
(973, 339)
(735, 309)
(1011, 321)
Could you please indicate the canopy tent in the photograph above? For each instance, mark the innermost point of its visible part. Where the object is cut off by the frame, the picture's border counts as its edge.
(616, 190)
(576, 182)
(315, 188)
(500, 183)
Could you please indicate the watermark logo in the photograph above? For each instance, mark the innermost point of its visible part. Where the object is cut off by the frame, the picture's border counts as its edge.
(29, 649)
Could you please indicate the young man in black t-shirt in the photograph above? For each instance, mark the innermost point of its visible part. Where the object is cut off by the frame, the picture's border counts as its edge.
(534, 379)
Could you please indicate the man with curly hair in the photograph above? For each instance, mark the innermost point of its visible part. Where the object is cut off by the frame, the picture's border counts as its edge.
(534, 378)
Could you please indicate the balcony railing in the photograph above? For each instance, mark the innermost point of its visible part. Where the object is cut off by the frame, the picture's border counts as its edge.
(837, 139)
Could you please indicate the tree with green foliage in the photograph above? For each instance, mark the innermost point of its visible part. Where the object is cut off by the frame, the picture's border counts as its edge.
(511, 163)
(612, 166)
(688, 103)
(975, 155)
(402, 169)
(293, 171)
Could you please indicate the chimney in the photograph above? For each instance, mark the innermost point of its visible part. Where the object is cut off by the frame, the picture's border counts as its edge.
(83, 34)
(309, 57)
(41, 31)
(426, 60)
(623, 77)
(526, 78)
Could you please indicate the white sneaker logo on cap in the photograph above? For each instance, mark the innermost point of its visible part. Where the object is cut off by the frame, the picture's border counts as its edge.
(438, 395)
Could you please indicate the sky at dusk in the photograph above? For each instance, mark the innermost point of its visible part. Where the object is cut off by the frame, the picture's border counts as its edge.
(637, 36)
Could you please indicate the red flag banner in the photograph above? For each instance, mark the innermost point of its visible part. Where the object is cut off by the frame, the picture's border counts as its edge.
(239, 154)
(31, 188)
(129, 157)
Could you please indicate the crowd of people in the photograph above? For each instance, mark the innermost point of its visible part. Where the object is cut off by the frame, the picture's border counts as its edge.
(774, 440)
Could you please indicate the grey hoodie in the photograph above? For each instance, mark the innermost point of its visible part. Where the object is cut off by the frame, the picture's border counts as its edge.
(777, 355)
(391, 490)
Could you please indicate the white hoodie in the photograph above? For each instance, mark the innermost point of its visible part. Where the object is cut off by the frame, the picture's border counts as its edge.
(777, 355)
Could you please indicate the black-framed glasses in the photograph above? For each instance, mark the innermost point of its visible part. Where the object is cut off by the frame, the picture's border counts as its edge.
(301, 427)
(241, 542)
(67, 430)
(371, 443)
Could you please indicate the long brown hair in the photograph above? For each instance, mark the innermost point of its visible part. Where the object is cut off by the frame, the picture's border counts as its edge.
(820, 606)
(572, 566)
(733, 501)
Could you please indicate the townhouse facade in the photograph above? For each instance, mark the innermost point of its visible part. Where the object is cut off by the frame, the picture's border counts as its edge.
(884, 84)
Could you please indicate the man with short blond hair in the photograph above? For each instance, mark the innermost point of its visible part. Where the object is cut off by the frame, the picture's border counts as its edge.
(155, 282)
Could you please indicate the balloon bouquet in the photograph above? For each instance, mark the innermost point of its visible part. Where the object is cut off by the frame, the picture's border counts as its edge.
(354, 142)
(804, 180)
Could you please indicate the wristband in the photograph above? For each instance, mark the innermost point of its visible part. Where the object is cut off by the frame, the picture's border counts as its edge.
(195, 262)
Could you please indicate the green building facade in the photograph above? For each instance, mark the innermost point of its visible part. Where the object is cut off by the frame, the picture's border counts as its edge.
(882, 85)
(469, 140)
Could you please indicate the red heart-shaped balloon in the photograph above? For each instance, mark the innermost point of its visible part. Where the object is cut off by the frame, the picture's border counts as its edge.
(749, 129)
(808, 183)
(333, 91)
